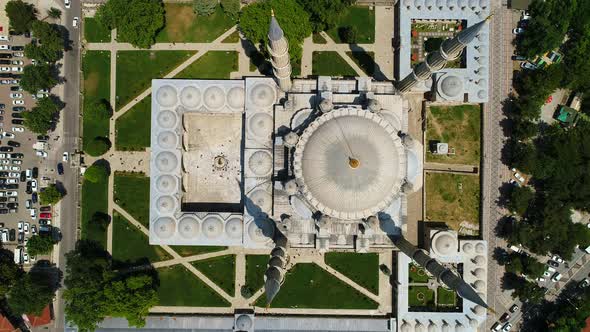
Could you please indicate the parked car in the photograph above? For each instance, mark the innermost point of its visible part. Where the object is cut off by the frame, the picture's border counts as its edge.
(18, 102)
(18, 129)
(13, 144)
(557, 258)
(552, 263)
(60, 168)
(517, 57)
(507, 327)
(518, 31)
(45, 209)
(20, 226)
(45, 215)
(75, 22)
(528, 65)
(34, 197)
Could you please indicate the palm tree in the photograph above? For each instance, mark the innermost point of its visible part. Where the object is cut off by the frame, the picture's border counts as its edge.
(54, 13)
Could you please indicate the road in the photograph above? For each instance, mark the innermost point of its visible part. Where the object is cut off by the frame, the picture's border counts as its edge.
(69, 142)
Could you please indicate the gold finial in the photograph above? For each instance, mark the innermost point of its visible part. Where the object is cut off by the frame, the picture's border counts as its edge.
(489, 17)
(353, 163)
(272, 12)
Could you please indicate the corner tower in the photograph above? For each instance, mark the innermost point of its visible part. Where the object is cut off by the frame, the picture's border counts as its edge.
(278, 47)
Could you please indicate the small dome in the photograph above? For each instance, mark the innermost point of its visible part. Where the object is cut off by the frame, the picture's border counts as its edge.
(482, 82)
(480, 248)
(482, 37)
(166, 96)
(408, 3)
(419, 327)
(233, 228)
(479, 260)
(432, 327)
(481, 71)
(473, 4)
(212, 227)
(261, 124)
(482, 60)
(290, 187)
(166, 161)
(446, 327)
(326, 105)
(261, 230)
(468, 248)
(479, 273)
(374, 105)
(166, 204)
(459, 327)
(164, 227)
(263, 95)
(418, 3)
(406, 327)
(451, 85)
(190, 97)
(481, 94)
(479, 285)
(473, 323)
(235, 97)
(482, 49)
(276, 261)
(273, 272)
(167, 119)
(188, 227)
(429, 3)
(214, 97)
(479, 310)
(278, 251)
(451, 3)
(243, 323)
(444, 243)
(261, 200)
(441, 3)
(291, 139)
(167, 140)
(462, 3)
(484, 3)
(166, 184)
(260, 163)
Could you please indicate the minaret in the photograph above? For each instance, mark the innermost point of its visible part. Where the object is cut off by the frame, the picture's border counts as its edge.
(278, 47)
(449, 50)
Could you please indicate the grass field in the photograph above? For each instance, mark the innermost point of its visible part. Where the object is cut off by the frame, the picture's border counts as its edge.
(420, 296)
(96, 66)
(362, 18)
(365, 60)
(183, 25)
(94, 200)
(179, 287)
(132, 129)
(445, 297)
(132, 193)
(233, 38)
(417, 274)
(460, 126)
(360, 268)
(221, 270)
(131, 244)
(213, 64)
(318, 39)
(255, 268)
(136, 69)
(330, 64)
(309, 286)
(452, 198)
(94, 32)
(185, 251)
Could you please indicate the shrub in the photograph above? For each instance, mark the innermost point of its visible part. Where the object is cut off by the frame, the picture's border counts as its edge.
(231, 8)
(348, 34)
(98, 146)
(205, 7)
(96, 173)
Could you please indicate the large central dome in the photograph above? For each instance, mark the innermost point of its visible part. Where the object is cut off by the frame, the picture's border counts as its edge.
(350, 163)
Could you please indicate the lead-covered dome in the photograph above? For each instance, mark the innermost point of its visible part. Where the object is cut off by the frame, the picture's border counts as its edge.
(451, 85)
(349, 163)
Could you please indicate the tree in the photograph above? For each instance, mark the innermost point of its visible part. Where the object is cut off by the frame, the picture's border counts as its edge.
(348, 34)
(54, 13)
(98, 110)
(231, 8)
(525, 290)
(136, 21)
(40, 244)
(9, 271)
(255, 20)
(131, 298)
(21, 15)
(50, 43)
(31, 293)
(205, 7)
(520, 199)
(96, 173)
(98, 146)
(37, 77)
(323, 14)
(50, 195)
(42, 117)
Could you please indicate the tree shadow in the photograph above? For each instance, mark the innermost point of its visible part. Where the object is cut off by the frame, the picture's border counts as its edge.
(257, 58)
(47, 273)
(367, 62)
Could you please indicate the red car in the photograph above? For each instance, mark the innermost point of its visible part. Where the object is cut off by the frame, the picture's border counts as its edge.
(45, 216)
(549, 100)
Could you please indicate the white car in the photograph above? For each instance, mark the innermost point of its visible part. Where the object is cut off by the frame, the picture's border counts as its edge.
(17, 162)
(12, 193)
(26, 228)
(13, 175)
(67, 3)
(556, 277)
(525, 16)
(15, 168)
(4, 68)
(507, 327)
(518, 31)
(3, 155)
(18, 129)
(26, 258)
(40, 95)
(43, 91)
(12, 181)
(28, 203)
(4, 47)
(17, 69)
(518, 177)
(65, 157)
(18, 62)
(2, 193)
(541, 279)
(4, 82)
(4, 38)
(4, 168)
(18, 54)
(34, 230)
(34, 185)
(14, 81)
(8, 135)
(557, 259)
(20, 226)
(41, 154)
(33, 213)
(75, 22)
(18, 102)
(546, 274)
(15, 95)
(4, 161)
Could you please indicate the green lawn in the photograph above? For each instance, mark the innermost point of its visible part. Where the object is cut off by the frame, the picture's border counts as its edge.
(221, 270)
(213, 64)
(365, 60)
(417, 274)
(94, 200)
(318, 39)
(309, 286)
(420, 296)
(360, 268)
(446, 297)
(233, 38)
(453, 199)
(255, 268)
(183, 25)
(96, 66)
(132, 129)
(136, 69)
(94, 32)
(330, 64)
(185, 251)
(460, 126)
(132, 193)
(131, 244)
(362, 18)
(179, 287)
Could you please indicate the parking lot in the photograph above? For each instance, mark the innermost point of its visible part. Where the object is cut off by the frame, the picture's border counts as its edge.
(23, 169)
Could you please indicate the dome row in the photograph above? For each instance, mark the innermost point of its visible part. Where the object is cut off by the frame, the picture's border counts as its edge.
(191, 97)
